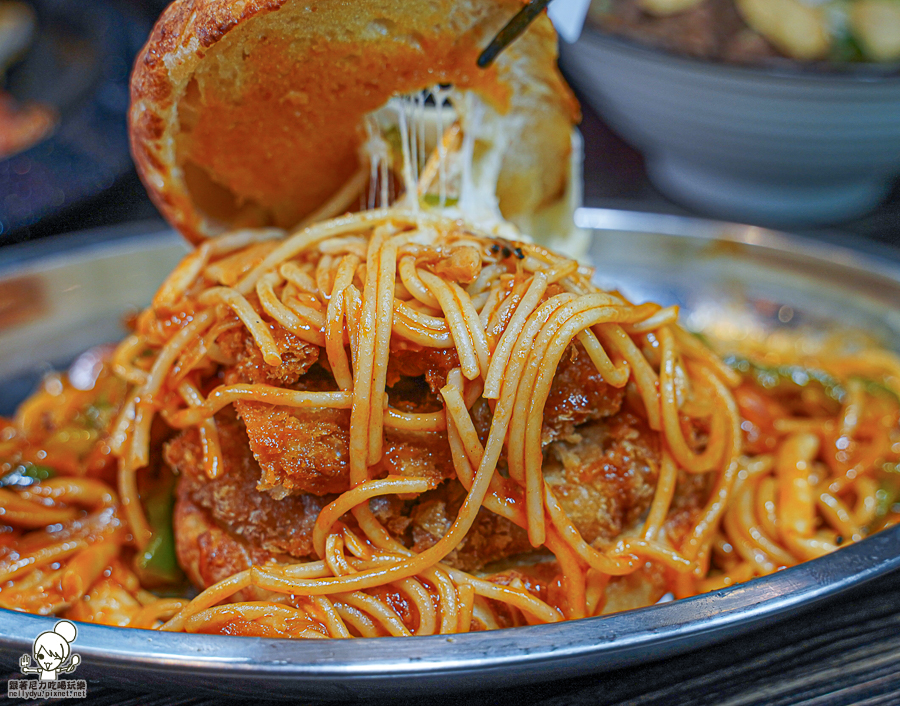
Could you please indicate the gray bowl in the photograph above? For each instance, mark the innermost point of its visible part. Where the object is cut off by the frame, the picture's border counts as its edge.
(774, 146)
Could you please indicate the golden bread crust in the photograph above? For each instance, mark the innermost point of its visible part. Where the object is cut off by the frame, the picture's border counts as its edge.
(249, 112)
(174, 49)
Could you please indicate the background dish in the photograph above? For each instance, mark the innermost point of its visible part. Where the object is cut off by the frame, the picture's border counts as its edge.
(698, 264)
(786, 147)
(79, 64)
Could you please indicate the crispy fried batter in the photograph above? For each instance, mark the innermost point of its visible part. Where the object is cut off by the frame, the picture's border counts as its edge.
(225, 525)
(232, 499)
(209, 554)
(297, 357)
(642, 588)
(691, 492)
(281, 464)
(306, 451)
(421, 523)
(491, 538)
(418, 454)
(299, 451)
(606, 479)
(577, 395)
(434, 364)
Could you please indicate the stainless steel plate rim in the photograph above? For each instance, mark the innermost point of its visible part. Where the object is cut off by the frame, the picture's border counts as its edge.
(521, 655)
(878, 259)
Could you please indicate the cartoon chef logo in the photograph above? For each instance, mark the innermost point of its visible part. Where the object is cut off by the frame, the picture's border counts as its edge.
(52, 652)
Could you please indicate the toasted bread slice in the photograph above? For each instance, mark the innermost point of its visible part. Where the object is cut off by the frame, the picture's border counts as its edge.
(251, 112)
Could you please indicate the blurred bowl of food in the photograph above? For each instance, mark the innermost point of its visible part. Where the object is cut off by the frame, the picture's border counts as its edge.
(767, 111)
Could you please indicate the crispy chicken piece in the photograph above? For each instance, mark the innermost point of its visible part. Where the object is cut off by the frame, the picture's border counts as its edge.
(207, 553)
(606, 479)
(232, 499)
(432, 364)
(297, 357)
(302, 452)
(283, 464)
(577, 395)
(642, 588)
(279, 526)
(418, 454)
(307, 451)
(225, 525)
(691, 492)
(299, 451)
(420, 523)
(491, 538)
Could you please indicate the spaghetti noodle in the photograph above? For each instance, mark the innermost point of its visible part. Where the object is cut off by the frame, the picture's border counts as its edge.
(743, 470)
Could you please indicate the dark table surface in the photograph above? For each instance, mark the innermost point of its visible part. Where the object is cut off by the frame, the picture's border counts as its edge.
(845, 651)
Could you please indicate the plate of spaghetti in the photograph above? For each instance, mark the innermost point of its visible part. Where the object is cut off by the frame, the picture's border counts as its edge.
(394, 410)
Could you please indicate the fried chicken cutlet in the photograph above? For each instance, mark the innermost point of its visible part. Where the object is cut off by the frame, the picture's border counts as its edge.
(283, 465)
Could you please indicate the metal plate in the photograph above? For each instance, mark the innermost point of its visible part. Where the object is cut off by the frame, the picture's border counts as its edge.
(704, 266)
